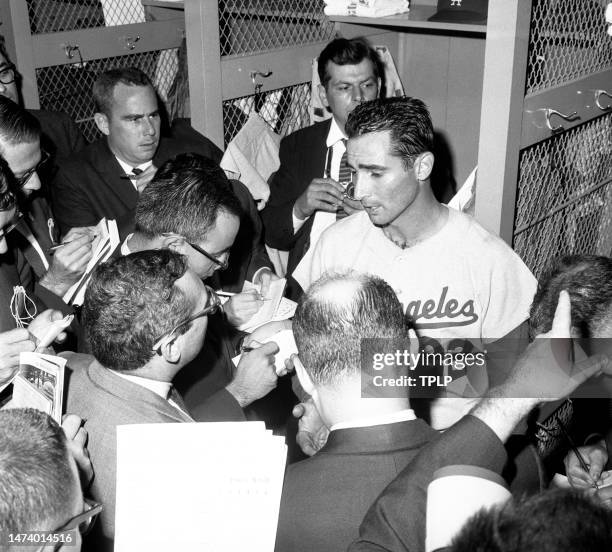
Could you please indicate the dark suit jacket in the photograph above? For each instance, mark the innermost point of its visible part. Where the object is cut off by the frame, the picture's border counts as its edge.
(302, 158)
(22, 264)
(105, 400)
(89, 186)
(396, 521)
(61, 137)
(325, 497)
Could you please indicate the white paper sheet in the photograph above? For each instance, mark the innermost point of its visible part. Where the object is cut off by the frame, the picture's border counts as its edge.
(270, 307)
(287, 347)
(213, 486)
(106, 242)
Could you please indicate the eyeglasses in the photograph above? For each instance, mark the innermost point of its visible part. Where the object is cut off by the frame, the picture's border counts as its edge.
(7, 74)
(221, 264)
(83, 521)
(213, 304)
(23, 179)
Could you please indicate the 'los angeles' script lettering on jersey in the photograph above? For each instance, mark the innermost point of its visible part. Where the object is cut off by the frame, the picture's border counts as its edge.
(445, 310)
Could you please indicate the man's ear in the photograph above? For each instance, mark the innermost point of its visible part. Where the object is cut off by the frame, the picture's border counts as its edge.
(173, 242)
(171, 351)
(303, 376)
(423, 166)
(379, 84)
(323, 96)
(102, 123)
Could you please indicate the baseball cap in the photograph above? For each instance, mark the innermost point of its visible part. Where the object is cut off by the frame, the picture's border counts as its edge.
(461, 11)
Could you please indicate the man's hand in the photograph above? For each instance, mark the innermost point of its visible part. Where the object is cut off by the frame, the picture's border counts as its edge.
(69, 262)
(312, 432)
(264, 277)
(322, 194)
(267, 330)
(255, 374)
(351, 206)
(38, 327)
(77, 441)
(546, 371)
(240, 308)
(595, 456)
(12, 343)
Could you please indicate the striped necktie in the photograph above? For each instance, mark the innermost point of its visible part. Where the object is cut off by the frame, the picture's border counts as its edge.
(344, 177)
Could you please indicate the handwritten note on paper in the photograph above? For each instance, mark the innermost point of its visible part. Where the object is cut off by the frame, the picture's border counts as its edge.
(191, 487)
(269, 308)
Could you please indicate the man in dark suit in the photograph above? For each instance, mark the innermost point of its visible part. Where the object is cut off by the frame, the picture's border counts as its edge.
(104, 179)
(146, 317)
(325, 497)
(60, 136)
(30, 277)
(189, 207)
(545, 372)
(311, 180)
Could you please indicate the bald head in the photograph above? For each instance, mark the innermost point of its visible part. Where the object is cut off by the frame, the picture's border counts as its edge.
(335, 314)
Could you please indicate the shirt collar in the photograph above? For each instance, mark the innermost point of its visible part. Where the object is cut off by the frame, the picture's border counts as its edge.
(334, 134)
(391, 418)
(125, 248)
(161, 388)
(127, 168)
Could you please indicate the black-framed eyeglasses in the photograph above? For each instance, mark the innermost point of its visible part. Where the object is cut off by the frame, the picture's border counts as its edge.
(221, 264)
(7, 74)
(83, 521)
(23, 179)
(213, 304)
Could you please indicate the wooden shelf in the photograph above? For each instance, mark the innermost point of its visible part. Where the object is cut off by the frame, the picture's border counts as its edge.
(416, 18)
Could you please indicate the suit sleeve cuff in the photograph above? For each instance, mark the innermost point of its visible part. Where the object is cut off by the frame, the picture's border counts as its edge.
(52, 301)
(297, 222)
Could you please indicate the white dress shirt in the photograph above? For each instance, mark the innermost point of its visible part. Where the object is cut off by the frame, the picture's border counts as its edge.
(389, 418)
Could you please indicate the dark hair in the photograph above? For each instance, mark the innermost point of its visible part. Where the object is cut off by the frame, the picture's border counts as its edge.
(342, 51)
(35, 471)
(8, 198)
(407, 119)
(588, 280)
(104, 86)
(17, 126)
(551, 521)
(329, 325)
(3, 51)
(132, 301)
(185, 197)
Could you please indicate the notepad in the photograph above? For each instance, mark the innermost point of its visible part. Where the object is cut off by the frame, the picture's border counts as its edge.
(198, 486)
(106, 242)
(271, 304)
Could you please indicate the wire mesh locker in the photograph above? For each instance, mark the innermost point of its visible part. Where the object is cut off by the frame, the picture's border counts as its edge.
(67, 87)
(564, 195)
(254, 26)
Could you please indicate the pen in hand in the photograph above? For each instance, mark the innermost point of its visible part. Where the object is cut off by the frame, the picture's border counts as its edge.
(575, 450)
(54, 248)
